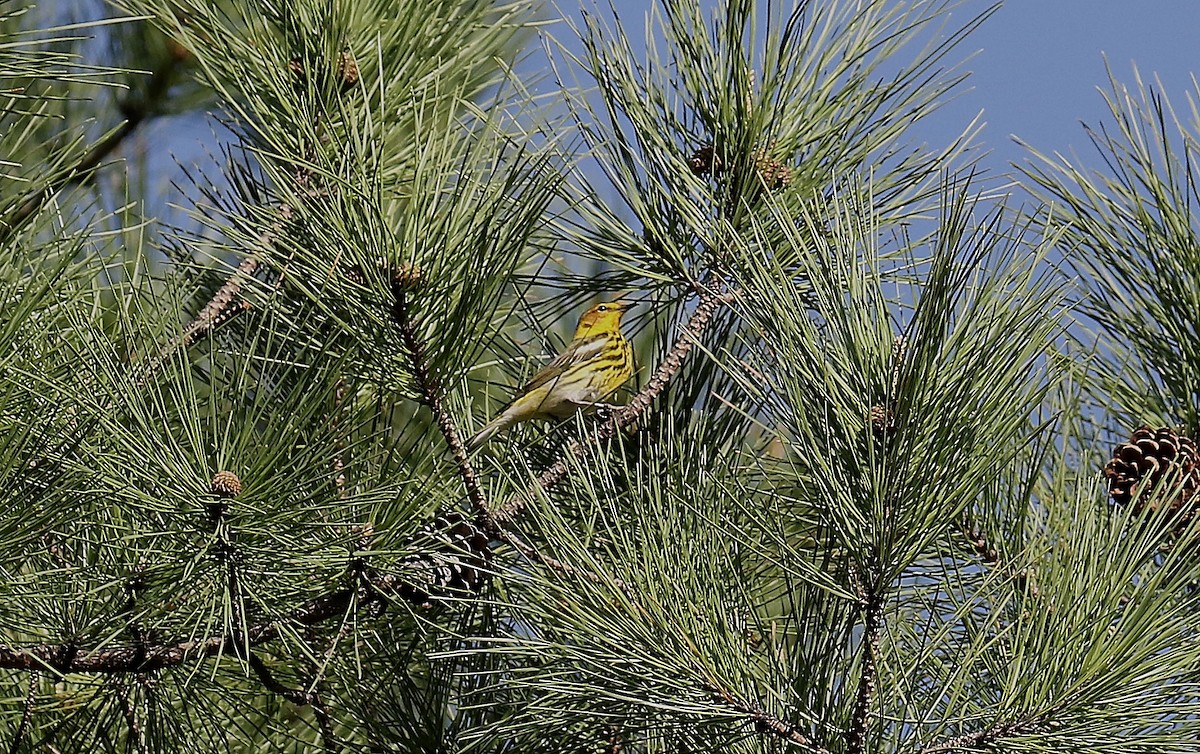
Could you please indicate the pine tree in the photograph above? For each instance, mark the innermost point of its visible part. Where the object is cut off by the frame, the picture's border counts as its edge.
(903, 469)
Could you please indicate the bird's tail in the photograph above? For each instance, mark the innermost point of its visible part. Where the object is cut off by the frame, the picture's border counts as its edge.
(482, 436)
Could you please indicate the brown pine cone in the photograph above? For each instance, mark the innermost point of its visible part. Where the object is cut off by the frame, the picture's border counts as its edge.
(1140, 464)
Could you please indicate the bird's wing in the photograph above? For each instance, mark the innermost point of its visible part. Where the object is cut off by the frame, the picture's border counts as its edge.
(576, 352)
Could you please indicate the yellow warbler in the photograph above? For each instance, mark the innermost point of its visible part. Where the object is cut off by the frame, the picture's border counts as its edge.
(596, 362)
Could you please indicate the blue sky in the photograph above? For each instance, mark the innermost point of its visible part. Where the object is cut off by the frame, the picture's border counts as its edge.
(1040, 62)
(1036, 66)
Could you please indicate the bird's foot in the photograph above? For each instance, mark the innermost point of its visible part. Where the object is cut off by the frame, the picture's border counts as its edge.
(606, 414)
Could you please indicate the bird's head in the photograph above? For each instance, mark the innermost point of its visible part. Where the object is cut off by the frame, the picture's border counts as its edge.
(602, 318)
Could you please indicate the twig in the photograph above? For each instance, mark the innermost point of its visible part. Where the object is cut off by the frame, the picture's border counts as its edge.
(295, 696)
(299, 698)
(320, 708)
(221, 308)
(765, 722)
(873, 624)
(26, 714)
(127, 708)
(979, 542)
(325, 724)
(225, 304)
(431, 396)
(984, 739)
(990, 554)
(710, 302)
(339, 452)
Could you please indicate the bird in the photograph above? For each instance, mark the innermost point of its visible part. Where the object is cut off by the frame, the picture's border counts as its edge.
(596, 362)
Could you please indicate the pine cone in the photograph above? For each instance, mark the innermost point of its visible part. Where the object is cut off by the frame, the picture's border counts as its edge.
(295, 67)
(454, 564)
(774, 173)
(407, 277)
(883, 421)
(705, 161)
(347, 69)
(226, 485)
(1146, 459)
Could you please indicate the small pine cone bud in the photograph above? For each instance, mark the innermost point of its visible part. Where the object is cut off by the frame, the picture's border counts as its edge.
(407, 277)
(774, 173)
(347, 69)
(883, 421)
(705, 161)
(226, 485)
(354, 274)
(1146, 459)
(296, 68)
(365, 532)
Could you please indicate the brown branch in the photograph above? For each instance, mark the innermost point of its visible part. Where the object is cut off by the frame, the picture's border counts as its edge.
(431, 394)
(629, 414)
(873, 623)
(26, 714)
(299, 698)
(225, 303)
(985, 740)
(765, 722)
(325, 724)
(295, 696)
(221, 308)
(135, 731)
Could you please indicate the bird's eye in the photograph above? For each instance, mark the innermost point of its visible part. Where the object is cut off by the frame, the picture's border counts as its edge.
(602, 308)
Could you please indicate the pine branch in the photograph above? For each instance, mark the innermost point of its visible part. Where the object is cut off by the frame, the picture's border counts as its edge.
(986, 740)
(135, 114)
(299, 698)
(325, 724)
(127, 709)
(338, 464)
(225, 304)
(221, 308)
(765, 722)
(629, 414)
(270, 683)
(431, 393)
(987, 551)
(511, 538)
(317, 702)
(873, 625)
